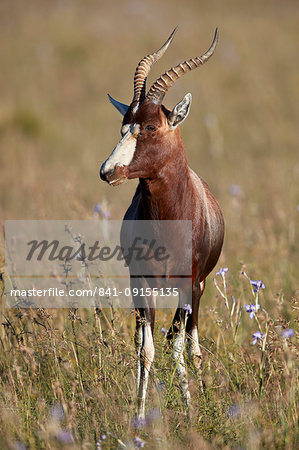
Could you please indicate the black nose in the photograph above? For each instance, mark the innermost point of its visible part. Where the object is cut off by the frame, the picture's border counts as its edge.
(104, 175)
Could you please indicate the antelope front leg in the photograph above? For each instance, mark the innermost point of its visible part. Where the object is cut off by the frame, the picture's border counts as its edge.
(147, 353)
(138, 345)
(194, 351)
(178, 356)
(195, 355)
(179, 346)
(144, 344)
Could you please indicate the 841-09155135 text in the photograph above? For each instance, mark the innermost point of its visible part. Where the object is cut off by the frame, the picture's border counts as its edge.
(100, 291)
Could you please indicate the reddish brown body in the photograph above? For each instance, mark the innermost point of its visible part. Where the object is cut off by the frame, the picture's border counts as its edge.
(170, 190)
(153, 151)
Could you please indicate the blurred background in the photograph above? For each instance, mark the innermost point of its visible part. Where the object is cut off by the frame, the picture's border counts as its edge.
(59, 60)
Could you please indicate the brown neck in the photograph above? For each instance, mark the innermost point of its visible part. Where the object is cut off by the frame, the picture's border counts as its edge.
(167, 195)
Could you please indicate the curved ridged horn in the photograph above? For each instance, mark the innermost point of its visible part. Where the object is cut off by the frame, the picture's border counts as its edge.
(162, 84)
(144, 67)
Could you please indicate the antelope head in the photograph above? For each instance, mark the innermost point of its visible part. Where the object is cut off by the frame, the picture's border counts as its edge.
(147, 125)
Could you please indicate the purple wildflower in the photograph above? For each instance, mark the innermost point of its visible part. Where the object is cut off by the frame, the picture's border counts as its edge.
(188, 308)
(65, 437)
(288, 333)
(138, 422)
(102, 438)
(57, 412)
(257, 336)
(164, 331)
(97, 208)
(257, 285)
(19, 446)
(252, 309)
(235, 190)
(222, 271)
(234, 411)
(139, 443)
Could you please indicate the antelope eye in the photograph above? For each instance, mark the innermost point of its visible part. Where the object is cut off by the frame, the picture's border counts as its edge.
(150, 128)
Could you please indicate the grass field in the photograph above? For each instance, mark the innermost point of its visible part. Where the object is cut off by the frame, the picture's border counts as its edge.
(67, 377)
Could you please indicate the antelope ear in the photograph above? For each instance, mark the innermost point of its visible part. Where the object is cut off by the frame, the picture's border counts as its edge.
(180, 111)
(121, 107)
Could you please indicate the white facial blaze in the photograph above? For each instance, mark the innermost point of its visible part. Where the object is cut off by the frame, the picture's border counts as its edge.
(123, 153)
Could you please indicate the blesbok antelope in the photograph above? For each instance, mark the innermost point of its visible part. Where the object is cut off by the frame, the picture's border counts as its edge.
(151, 149)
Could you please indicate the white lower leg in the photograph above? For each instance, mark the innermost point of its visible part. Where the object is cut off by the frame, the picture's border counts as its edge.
(194, 351)
(146, 359)
(178, 355)
(138, 345)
